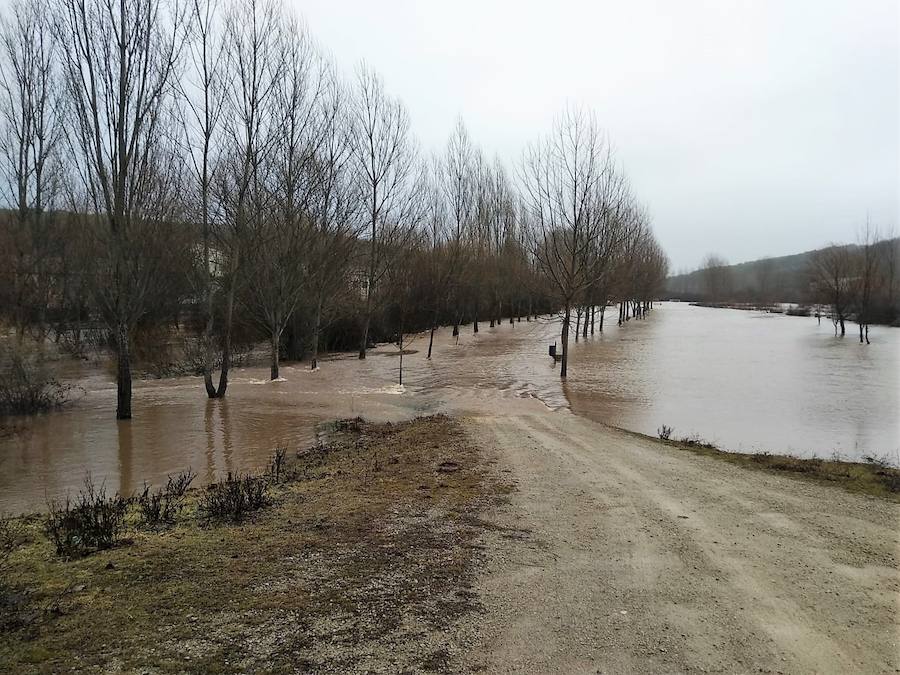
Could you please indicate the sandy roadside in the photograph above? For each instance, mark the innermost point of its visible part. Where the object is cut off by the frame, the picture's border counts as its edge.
(636, 557)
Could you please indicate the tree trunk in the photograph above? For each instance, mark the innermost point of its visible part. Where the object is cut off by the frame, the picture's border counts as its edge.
(274, 347)
(123, 373)
(567, 318)
(314, 361)
(602, 314)
(584, 328)
(843, 328)
(431, 336)
(208, 356)
(577, 323)
(226, 343)
(365, 332)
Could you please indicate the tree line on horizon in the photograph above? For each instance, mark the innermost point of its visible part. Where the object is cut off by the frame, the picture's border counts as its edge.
(204, 168)
(857, 282)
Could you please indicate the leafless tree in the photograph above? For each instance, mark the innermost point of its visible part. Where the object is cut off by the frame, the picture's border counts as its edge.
(866, 278)
(765, 279)
(119, 60)
(717, 278)
(335, 209)
(278, 266)
(456, 173)
(832, 272)
(29, 140)
(560, 176)
(203, 89)
(255, 55)
(391, 181)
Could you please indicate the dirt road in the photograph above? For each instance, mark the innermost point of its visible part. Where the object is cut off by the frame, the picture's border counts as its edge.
(624, 555)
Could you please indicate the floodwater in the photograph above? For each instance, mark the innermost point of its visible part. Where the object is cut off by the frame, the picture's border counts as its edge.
(746, 381)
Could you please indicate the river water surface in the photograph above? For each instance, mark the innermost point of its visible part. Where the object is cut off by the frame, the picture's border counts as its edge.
(746, 381)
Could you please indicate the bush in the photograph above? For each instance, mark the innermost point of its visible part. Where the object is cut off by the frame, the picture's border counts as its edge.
(664, 432)
(162, 506)
(25, 385)
(234, 498)
(92, 522)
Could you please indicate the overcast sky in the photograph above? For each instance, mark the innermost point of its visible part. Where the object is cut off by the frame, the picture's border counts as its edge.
(748, 128)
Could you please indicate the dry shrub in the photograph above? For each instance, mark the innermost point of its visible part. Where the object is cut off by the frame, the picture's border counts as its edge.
(234, 498)
(26, 386)
(90, 522)
(162, 506)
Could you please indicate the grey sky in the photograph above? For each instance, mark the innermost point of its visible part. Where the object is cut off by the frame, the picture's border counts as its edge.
(748, 128)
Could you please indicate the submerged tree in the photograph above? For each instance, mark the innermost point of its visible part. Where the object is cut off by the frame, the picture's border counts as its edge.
(832, 270)
(119, 63)
(561, 175)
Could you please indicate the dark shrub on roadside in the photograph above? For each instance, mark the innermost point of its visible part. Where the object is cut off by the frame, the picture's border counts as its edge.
(162, 506)
(90, 522)
(26, 386)
(664, 432)
(234, 498)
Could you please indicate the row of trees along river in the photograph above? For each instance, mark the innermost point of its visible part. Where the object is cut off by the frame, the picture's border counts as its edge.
(203, 168)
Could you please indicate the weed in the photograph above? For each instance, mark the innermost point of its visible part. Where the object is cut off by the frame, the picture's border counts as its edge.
(277, 464)
(664, 432)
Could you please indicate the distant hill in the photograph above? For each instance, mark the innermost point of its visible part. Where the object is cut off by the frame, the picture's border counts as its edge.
(779, 279)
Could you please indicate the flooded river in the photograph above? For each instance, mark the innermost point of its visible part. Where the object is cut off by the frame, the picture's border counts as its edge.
(745, 381)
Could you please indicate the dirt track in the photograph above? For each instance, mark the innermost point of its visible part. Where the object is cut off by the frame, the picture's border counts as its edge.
(637, 557)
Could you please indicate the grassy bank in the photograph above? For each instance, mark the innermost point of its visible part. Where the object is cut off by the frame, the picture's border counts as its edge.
(362, 560)
(874, 478)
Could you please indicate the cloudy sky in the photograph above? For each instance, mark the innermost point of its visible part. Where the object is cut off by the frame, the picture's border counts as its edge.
(748, 128)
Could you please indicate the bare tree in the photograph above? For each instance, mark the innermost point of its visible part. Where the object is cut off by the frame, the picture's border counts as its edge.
(831, 271)
(560, 175)
(203, 90)
(254, 41)
(717, 279)
(278, 265)
(866, 278)
(29, 139)
(119, 60)
(391, 179)
(335, 209)
(457, 177)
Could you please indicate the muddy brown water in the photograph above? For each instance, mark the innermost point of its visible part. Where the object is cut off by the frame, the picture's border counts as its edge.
(746, 381)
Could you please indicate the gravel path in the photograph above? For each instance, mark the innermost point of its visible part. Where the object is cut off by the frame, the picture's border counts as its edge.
(637, 557)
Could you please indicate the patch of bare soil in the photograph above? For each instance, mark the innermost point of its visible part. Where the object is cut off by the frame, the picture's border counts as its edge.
(365, 562)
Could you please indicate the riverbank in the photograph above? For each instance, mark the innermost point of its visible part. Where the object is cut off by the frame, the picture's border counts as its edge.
(875, 477)
(536, 541)
(363, 560)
